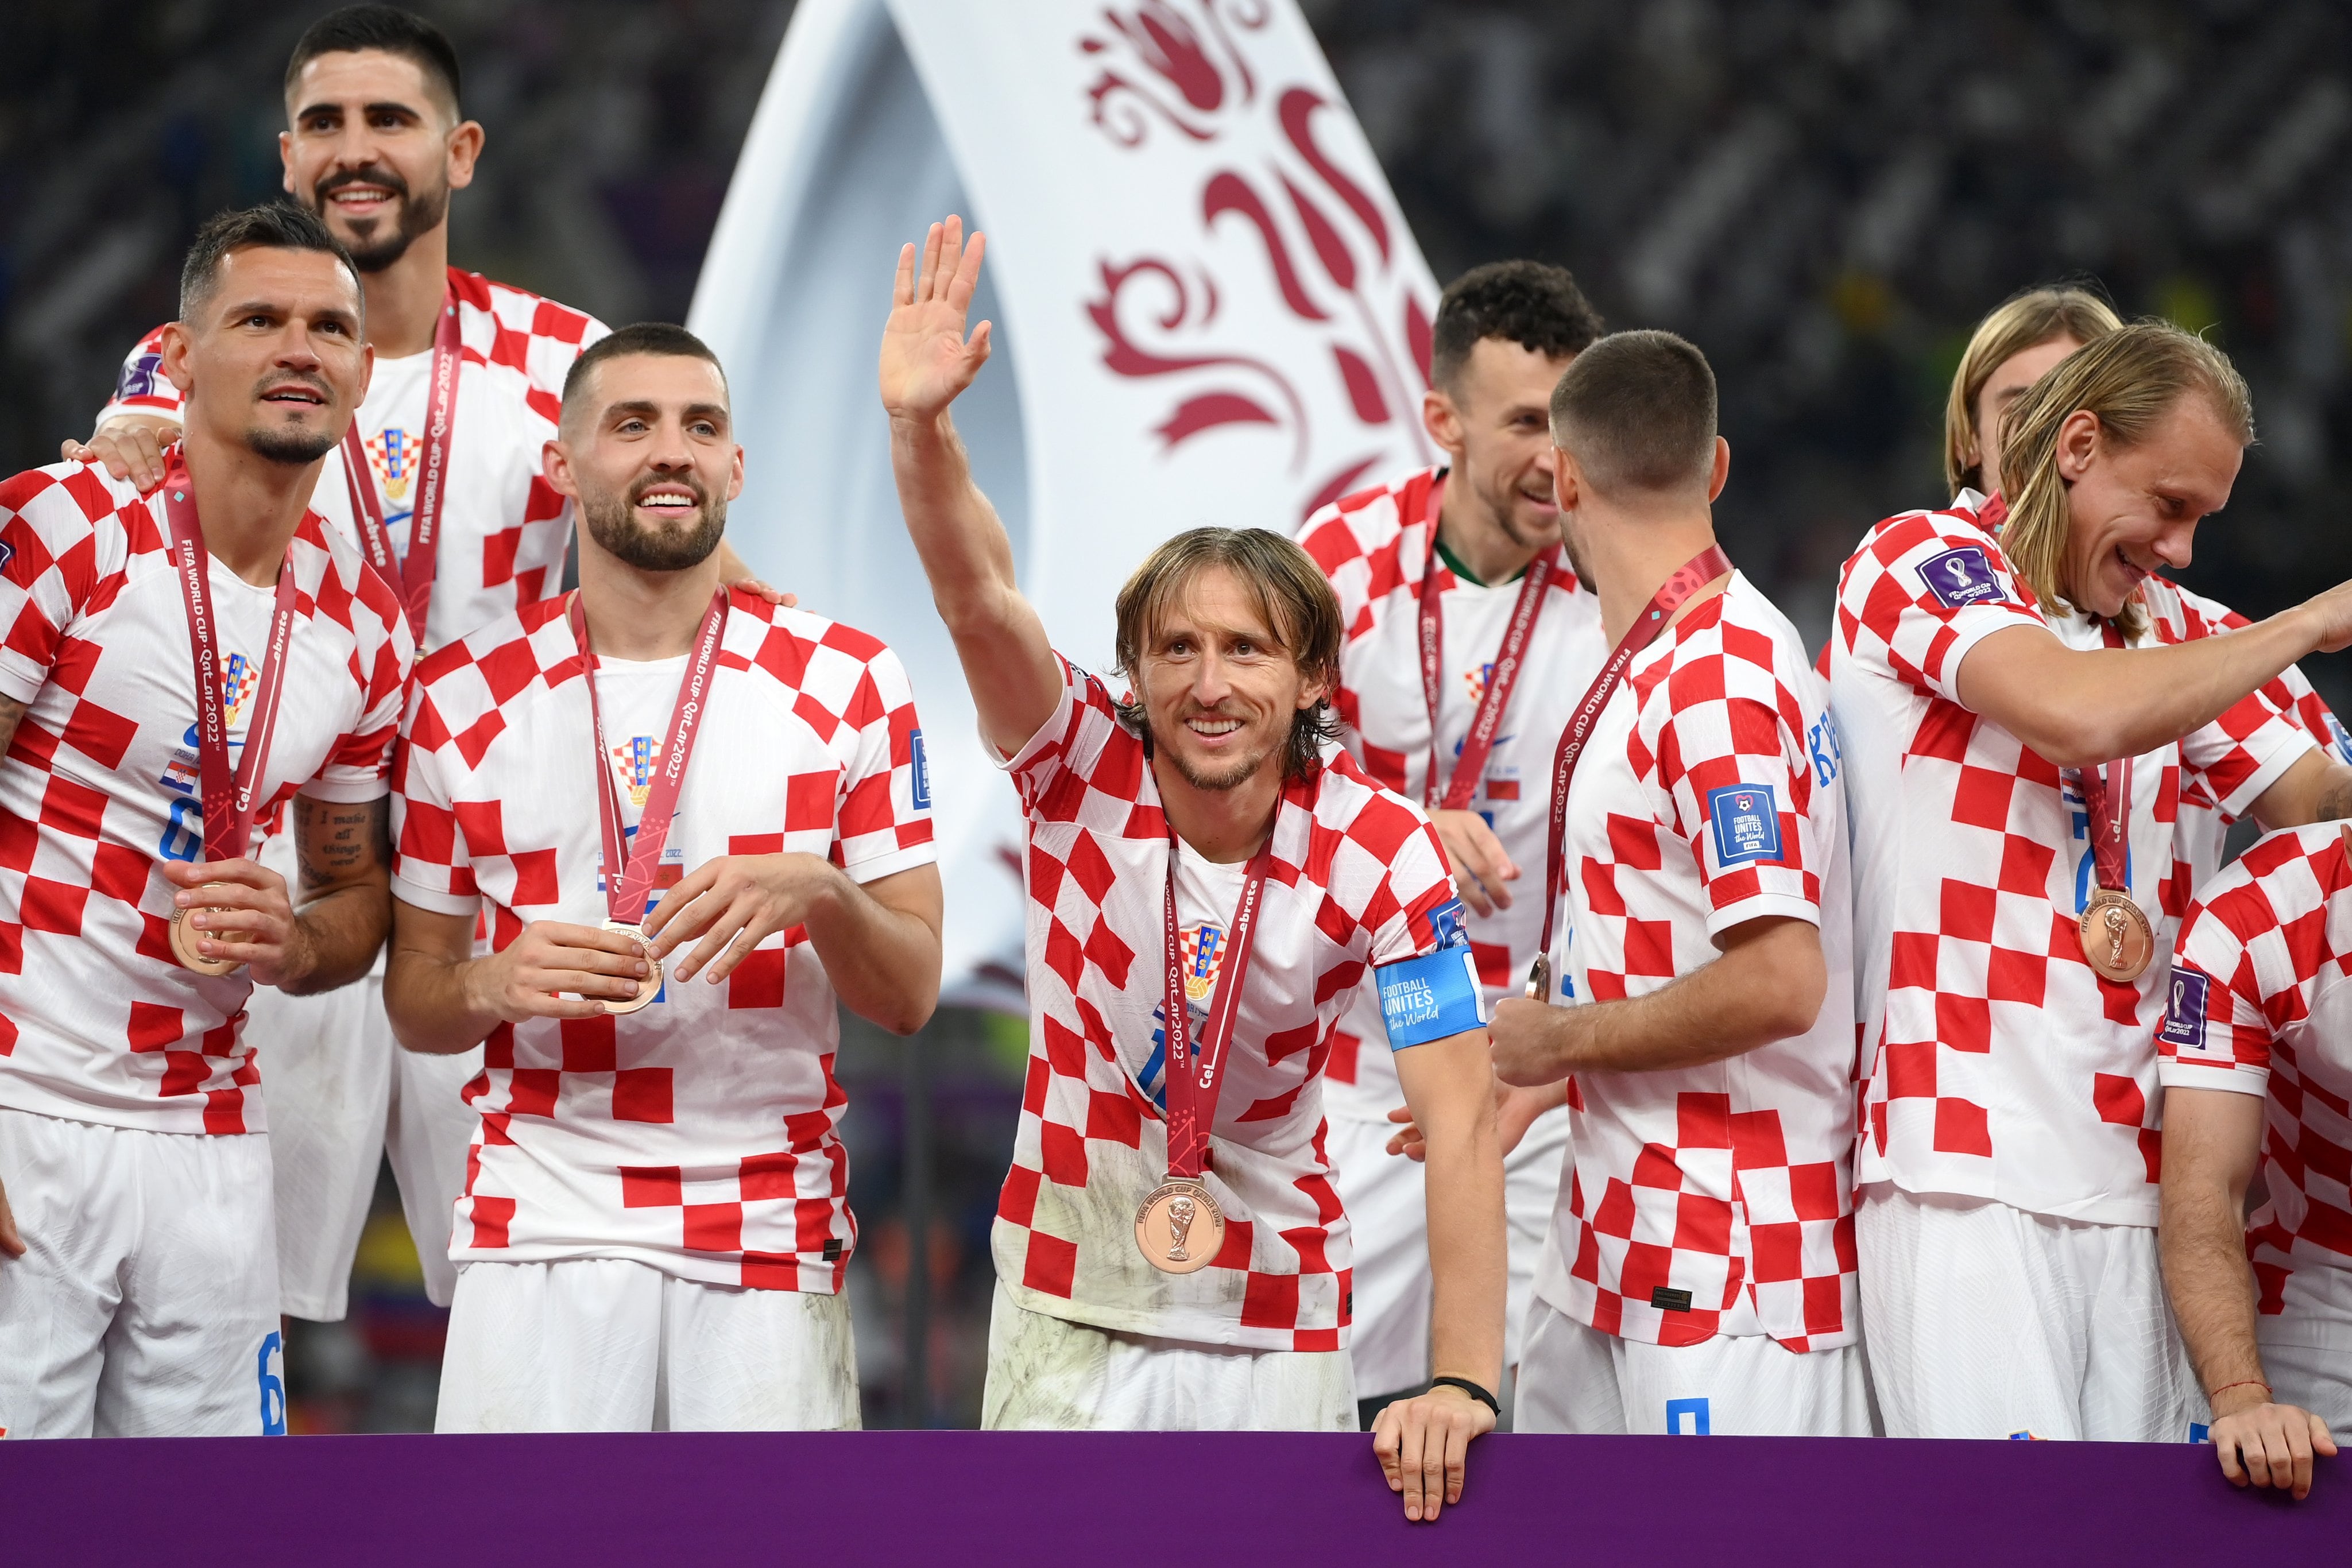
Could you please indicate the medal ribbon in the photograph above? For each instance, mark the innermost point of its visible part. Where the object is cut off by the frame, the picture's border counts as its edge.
(1193, 1075)
(627, 890)
(229, 797)
(1687, 579)
(412, 575)
(2106, 801)
(1471, 766)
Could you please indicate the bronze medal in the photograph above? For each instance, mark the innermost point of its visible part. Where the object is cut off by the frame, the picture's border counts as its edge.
(647, 988)
(1540, 978)
(2116, 939)
(1180, 1228)
(184, 937)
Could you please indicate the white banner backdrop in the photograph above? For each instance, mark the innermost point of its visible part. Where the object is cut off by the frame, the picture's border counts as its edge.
(1208, 310)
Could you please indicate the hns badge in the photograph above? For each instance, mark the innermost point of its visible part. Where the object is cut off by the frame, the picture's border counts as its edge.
(922, 772)
(1202, 950)
(2184, 1013)
(634, 761)
(1747, 823)
(1961, 577)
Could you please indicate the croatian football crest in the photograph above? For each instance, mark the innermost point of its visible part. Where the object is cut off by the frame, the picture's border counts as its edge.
(236, 687)
(392, 455)
(1476, 679)
(633, 760)
(1203, 949)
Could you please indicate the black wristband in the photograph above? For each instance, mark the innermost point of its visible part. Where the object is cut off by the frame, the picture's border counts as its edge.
(1472, 1389)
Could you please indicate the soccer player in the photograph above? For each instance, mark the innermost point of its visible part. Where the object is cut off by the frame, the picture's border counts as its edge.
(656, 1224)
(2020, 712)
(444, 455)
(175, 666)
(2012, 347)
(1170, 1250)
(1466, 555)
(1700, 1277)
(2257, 1071)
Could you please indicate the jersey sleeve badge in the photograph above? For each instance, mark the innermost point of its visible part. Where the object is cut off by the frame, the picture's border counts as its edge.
(1961, 577)
(1747, 823)
(2184, 1013)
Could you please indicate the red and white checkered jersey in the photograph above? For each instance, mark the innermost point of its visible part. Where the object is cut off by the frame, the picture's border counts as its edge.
(1374, 546)
(98, 1021)
(2260, 1004)
(2202, 827)
(2002, 1066)
(1356, 882)
(699, 1134)
(1717, 1199)
(503, 530)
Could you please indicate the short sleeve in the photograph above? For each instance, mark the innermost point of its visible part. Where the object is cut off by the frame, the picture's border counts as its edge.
(2243, 752)
(49, 568)
(1424, 970)
(2214, 1035)
(1917, 597)
(883, 819)
(1081, 750)
(141, 386)
(359, 767)
(430, 866)
(1729, 744)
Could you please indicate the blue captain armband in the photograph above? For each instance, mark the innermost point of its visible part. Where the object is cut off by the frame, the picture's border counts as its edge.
(1431, 996)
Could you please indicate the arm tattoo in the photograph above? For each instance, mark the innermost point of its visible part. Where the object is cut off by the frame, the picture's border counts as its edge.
(339, 844)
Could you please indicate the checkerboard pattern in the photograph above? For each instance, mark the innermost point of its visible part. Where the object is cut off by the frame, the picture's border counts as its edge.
(699, 1133)
(1709, 796)
(1374, 546)
(98, 1022)
(504, 530)
(1354, 883)
(2004, 1066)
(2261, 1003)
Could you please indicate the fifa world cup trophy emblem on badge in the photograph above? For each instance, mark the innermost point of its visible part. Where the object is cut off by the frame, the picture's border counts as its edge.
(1180, 1228)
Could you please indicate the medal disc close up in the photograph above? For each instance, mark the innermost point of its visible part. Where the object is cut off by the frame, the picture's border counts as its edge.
(2116, 939)
(184, 937)
(1180, 1228)
(647, 988)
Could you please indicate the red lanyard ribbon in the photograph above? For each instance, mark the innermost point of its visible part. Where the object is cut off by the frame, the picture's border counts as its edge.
(1687, 579)
(229, 798)
(628, 891)
(1193, 1074)
(2106, 803)
(413, 574)
(1471, 766)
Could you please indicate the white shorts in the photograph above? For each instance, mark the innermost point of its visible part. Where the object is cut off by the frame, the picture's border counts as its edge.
(1387, 1219)
(604, 1345)
(1049, 1374)
(1985, 1320)
(328, 1062)
(146, 1302)
(426, 1137)
(1577, 1379)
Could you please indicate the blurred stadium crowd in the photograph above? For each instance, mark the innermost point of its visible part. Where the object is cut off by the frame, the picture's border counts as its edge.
(1824, 195)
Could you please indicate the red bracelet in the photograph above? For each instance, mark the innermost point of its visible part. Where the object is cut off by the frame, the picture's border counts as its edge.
(2241, 1383)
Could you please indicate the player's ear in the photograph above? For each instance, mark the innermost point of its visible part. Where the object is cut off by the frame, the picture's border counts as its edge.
(174, 347)
(555, 463)
(465, 149)
(1567, 479)
(1720, 469)
(286, 162)
(1442, 419)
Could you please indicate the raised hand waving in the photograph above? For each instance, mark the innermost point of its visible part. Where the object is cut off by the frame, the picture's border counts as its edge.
(927, 360)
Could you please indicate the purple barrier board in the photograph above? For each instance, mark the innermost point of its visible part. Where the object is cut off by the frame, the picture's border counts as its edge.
(1133, 1500)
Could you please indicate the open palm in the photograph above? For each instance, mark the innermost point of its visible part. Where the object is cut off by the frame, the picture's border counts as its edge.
(926, 359)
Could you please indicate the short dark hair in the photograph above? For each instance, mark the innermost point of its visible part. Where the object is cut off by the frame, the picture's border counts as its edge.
(663, 337)
(1285, 586)
(1637, 412)
(1530, 303)
(385, 27)
(277, 226)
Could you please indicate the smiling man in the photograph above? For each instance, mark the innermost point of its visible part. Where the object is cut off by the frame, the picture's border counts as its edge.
(2020, 712)
(1206, 892)
(655, 1225)
(443, 456)
(1464, 560)
(176, 666)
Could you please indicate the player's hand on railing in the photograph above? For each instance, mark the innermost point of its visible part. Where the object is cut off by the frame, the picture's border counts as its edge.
(529, 977)
(926, 358)
(1476, 855)
(241, 910)
(2263, 1442)
(12, 1241)
(131, 446)
(734, 904)
(1423, 1443)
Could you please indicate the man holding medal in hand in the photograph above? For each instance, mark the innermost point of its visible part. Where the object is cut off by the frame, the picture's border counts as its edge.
(656, 1228)
(1206, 892)
(177, 666)
(2022, 711)
(1700, 1277)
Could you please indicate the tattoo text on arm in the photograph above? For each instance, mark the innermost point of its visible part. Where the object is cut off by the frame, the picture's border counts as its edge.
(339, 844)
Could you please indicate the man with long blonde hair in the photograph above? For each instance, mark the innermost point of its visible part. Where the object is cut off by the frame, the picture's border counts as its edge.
(2022, 701)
